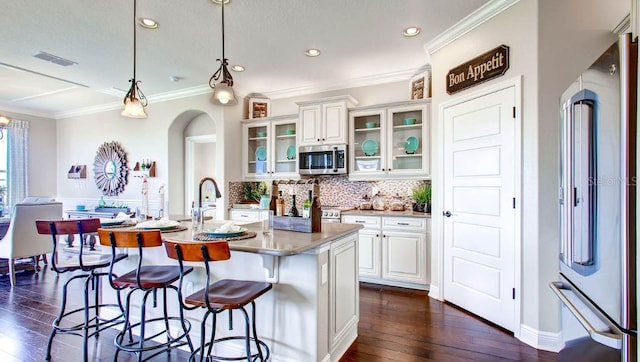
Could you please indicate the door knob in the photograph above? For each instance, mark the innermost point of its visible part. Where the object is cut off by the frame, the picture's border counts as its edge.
(447, 213)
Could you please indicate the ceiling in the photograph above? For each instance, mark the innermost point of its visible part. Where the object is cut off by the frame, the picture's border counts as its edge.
(361, 41)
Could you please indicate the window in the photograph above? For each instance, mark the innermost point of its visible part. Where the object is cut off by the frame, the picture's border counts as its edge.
(3, 161)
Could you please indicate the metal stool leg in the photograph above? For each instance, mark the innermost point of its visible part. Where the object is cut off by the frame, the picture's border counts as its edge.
(255, 334)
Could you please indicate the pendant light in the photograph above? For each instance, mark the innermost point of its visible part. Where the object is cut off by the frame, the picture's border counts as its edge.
(134, 100)
(223, 91)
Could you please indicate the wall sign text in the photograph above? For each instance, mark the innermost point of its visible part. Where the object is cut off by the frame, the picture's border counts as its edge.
(491, 64)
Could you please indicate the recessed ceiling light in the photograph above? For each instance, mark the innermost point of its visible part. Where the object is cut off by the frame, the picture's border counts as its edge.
(218, 2)
(237, 68)
(312, 52)
(148, 23)
(411, 31)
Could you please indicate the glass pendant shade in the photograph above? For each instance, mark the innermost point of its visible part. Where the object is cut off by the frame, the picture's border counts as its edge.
(223, 95)
(4, 121)
(133, 108)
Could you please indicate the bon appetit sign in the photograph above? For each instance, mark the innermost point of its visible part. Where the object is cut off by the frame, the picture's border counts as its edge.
(491, 64)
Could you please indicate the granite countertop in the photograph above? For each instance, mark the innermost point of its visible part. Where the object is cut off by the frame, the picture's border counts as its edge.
(406, 213)
(280, 242)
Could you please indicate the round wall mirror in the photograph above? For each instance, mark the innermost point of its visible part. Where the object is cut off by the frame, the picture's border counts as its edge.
(110, 169)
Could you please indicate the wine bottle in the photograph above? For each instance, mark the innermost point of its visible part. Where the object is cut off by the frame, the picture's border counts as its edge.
(273, 203)
(280, 204)
(306, 207)
(293, 211)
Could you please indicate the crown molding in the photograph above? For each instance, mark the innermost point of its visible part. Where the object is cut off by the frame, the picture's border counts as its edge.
(470, 22)
(351, 83)
(157, 98)
(6, 108)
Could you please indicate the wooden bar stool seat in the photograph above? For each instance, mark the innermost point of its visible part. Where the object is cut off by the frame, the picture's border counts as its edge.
(147, 279)
(229, 294)
(151, 276)
(217, 297)
(89, 271)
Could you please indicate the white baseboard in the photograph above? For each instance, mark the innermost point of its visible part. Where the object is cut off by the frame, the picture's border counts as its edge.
(434, 292)
(545, 341)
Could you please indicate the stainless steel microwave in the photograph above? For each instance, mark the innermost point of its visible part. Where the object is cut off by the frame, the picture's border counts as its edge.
(322, 160)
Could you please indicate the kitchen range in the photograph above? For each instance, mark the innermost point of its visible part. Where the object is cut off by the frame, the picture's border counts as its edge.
(333, 213)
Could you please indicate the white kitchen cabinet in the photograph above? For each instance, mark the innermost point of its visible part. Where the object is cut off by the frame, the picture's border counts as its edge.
(369, 253)
(270, 148)
(248, 215)
(393, 250)
(390, 141)
(344, 310)
(324, 121)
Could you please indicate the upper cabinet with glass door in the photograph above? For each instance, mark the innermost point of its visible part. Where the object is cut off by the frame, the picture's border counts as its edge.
(270, 148)
(390, 140)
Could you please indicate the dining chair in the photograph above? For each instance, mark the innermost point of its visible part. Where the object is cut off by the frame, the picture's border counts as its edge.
(22, 239)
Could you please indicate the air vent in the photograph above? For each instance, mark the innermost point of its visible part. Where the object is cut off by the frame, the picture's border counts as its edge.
(54, 59)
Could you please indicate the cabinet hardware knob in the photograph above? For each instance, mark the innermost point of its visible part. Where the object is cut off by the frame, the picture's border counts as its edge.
(318, 140)
(377, 235)
(447, 213)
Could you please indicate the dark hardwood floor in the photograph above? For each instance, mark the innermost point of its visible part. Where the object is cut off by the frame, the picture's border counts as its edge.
(395, 325)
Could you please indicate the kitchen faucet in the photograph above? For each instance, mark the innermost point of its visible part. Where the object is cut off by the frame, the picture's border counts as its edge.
(215, 185)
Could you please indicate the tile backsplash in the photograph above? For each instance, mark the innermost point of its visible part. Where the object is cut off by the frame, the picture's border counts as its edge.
(339, 191)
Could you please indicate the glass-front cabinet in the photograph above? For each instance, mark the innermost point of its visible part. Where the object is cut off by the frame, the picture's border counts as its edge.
(390, 141)
(270, 148)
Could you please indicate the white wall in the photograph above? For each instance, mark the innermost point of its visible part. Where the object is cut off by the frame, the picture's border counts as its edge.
(550, 42)
(160, 137)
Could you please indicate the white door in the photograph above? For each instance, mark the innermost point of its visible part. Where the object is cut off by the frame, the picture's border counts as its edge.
(479, 205)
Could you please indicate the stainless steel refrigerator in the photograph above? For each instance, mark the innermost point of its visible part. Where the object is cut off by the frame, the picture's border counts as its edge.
(597, 281)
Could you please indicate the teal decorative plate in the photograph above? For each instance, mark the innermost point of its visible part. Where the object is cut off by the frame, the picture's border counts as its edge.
(370, 147)
(291, 152)
(411, 145)
(261, 153)
(212, 233)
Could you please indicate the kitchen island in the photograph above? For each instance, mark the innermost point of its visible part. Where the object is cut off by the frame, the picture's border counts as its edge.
(312, 312)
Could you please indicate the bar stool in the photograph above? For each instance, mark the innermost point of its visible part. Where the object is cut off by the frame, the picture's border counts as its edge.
(90, 266)
(226, 294)
(148, 279)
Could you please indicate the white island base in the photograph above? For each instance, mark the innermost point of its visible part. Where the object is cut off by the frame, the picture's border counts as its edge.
(312, 312)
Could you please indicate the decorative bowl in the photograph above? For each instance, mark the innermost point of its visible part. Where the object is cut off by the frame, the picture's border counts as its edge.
(262, 134)
(80, 207)
(409, 121)
(370, 124)
(289, 131)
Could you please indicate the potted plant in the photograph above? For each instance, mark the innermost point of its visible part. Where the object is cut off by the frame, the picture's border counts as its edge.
(253, 191)
(422, 196)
